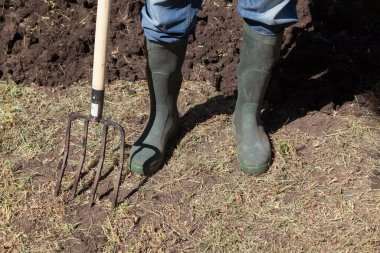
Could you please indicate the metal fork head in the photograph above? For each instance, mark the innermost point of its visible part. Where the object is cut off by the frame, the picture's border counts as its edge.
(106, 124)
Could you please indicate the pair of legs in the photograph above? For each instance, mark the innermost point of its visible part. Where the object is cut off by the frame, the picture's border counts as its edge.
(167, 25)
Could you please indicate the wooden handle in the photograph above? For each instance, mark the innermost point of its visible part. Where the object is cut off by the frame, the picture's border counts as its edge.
(101, 34)
(99, 68)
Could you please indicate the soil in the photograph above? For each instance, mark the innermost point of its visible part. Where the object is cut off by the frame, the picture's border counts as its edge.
(328, 56)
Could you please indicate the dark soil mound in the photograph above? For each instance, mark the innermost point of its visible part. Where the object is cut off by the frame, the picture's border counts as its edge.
(52, 44)
(329, 56)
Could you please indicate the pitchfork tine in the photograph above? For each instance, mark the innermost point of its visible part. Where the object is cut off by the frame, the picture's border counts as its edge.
(100, 165)
(121, 164)
(78, 173)
(64, 161)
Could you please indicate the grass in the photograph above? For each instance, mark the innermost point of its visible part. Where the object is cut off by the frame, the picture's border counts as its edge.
(319, 194)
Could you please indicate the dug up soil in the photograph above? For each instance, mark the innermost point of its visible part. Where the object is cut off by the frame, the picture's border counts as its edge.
(330, 55)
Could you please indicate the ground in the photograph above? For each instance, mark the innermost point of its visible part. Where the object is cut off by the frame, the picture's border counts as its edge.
(321, 112)
(319, 195)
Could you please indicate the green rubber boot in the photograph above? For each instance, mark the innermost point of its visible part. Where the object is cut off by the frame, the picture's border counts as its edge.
(164, 82)
(258, 55)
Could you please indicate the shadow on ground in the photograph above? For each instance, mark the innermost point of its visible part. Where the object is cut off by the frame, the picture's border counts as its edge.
(329, 62)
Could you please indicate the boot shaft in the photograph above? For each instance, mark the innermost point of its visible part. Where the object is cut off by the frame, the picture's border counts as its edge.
(165, 58)
(258, 55)
(164, 64)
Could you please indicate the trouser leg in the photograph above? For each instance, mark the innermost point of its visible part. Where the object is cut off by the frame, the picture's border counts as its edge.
(169, 20)
(268, 17)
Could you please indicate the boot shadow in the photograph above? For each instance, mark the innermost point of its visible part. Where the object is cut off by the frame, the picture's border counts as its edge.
(218, 105)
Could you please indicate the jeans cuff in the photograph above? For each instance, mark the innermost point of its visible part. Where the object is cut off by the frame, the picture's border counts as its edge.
(265, 29)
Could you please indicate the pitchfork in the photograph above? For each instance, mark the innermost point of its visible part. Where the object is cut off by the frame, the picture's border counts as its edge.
(97, 100)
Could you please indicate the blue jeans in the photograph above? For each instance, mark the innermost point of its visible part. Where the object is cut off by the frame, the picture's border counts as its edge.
(172, 20)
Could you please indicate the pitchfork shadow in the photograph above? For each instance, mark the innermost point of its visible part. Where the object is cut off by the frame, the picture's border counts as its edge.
(105, 175)
(90, 183)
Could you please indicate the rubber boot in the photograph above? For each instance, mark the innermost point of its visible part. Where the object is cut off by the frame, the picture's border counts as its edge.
(258, 55)
(164, 81)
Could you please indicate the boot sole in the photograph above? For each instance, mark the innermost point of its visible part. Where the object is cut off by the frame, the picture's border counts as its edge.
(255, 170)
(146, 171)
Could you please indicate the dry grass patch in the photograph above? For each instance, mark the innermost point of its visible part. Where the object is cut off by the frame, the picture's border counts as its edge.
(321, 194)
